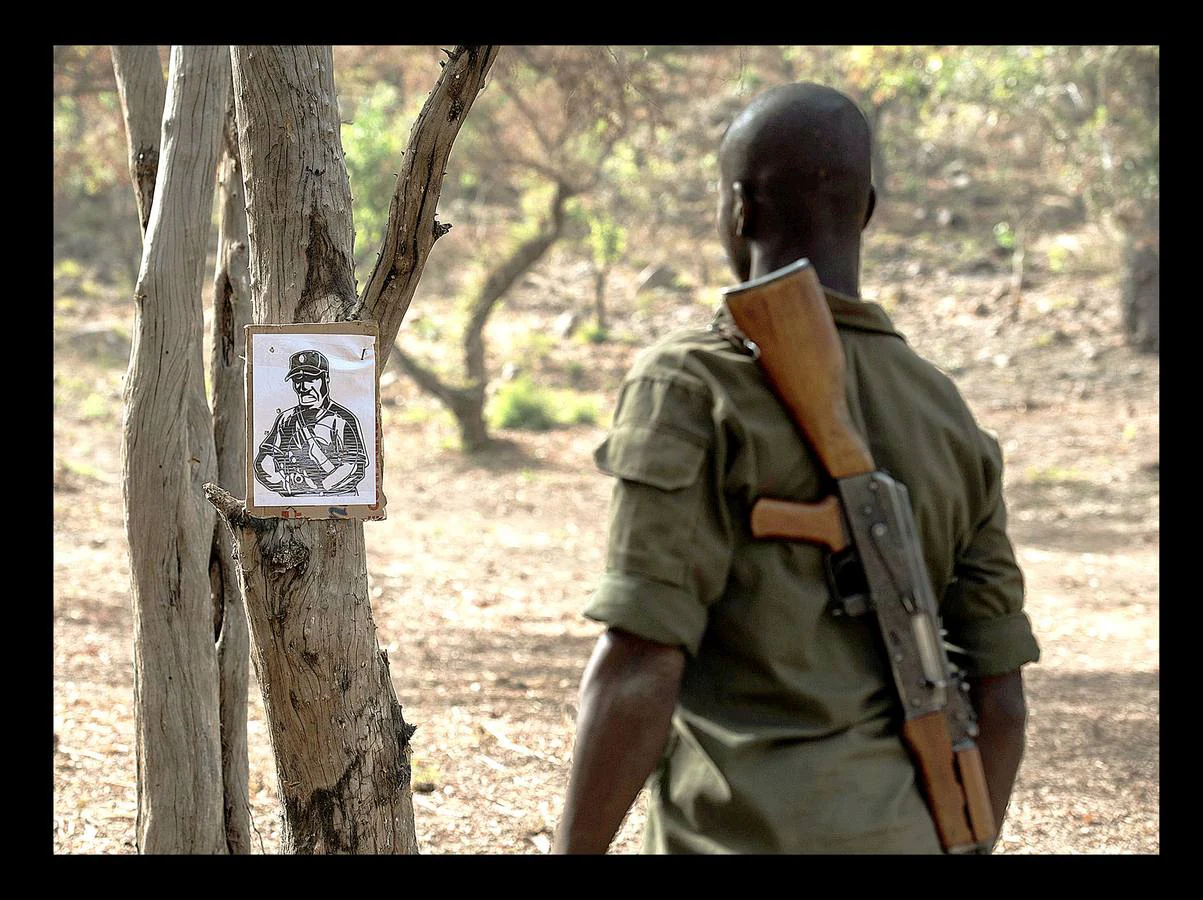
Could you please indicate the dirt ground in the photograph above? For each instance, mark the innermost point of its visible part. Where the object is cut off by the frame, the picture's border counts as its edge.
(480, 571)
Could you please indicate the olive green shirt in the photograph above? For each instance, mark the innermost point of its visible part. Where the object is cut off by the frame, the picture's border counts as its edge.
(785, 737)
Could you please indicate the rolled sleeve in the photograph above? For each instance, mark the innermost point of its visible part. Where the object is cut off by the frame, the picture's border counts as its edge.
(982, 610)
(664, 613)
(996, 646)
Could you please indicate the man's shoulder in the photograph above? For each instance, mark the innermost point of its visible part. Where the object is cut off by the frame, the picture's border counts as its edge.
(337, 410)
(287, 416)
(903, 361)
(684, 354)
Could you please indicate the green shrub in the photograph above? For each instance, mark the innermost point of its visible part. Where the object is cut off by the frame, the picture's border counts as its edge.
(594, 334)
(523, 405)
(583, 412)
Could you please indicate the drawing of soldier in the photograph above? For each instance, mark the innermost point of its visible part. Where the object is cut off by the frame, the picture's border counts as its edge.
(315, 447)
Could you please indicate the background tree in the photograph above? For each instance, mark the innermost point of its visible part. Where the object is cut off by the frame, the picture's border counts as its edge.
(1088, 113)
(139, 76)
(548, 136)
(607, 242)
(91, 188)
(340, 739)
(168, 454)
(231, 314)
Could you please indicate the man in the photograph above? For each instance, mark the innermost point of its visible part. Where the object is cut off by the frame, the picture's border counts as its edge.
(316, 446)
(761, 722)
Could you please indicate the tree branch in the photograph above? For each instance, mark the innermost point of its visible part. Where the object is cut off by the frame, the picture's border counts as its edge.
(502, 278)
(424, 378)
(143, 92)
(412, 228)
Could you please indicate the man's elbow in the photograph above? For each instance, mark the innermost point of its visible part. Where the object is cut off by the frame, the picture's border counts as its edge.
(638, 676)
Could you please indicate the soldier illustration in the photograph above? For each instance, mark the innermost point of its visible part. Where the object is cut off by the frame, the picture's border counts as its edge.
(315, 447)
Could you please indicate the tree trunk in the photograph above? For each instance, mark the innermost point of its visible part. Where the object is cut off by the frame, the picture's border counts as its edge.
(167, 456)
(341, 744)
(466, 403)
(875, 114)
(231, 313)
(1142, 291)
(142, 90)
(340, 740)
(599, 299)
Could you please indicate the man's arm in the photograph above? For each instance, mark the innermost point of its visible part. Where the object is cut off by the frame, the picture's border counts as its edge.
(267, 469)
(1002, 722)
(628, 694)
(345, 464)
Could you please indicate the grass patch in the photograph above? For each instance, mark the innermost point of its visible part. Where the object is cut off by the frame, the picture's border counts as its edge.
(68, 268)
(1051, 474)
(420, 413)
(523, 405)
(594, 334)
(94, 406)
(426, 777)
(576, 373)
(535, 349)
(87, 393)
(80, 469)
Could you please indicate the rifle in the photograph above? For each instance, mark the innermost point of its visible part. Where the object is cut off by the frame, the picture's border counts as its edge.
(869, 530)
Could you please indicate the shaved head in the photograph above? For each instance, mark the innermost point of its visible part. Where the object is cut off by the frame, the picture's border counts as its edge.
(796, 160)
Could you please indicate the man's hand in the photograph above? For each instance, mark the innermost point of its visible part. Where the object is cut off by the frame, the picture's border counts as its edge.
(313, 448)
(271, 473)
(628, 694)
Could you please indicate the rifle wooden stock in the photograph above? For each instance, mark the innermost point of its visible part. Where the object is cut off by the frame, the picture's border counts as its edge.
(785, 313)
(787, 317)
(953, 782)
(977, 795)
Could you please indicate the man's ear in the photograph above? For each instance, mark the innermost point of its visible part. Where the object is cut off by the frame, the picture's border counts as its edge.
(740, 209)
(869, 209)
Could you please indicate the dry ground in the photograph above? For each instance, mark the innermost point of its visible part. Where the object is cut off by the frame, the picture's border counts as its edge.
(480, 571)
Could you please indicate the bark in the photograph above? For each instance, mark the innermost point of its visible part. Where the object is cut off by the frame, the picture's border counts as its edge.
(142, 87)
(340, 740)
(142, 90)
(231, 313)
(167, 456)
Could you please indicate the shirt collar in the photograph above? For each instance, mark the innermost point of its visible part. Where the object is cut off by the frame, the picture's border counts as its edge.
(847, 311)
(863, 315)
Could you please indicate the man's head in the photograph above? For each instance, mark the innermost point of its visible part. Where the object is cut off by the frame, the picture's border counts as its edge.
(794, 170)
(309, 372)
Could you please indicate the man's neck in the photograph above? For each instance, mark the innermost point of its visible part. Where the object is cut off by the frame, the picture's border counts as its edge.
(838, 267)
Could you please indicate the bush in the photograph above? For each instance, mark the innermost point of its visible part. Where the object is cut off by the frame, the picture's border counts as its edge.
(583, 412)
(523, 405)
(594, 334)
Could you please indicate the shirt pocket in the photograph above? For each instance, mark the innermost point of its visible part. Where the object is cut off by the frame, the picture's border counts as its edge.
(657, 503)
(649, 455)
